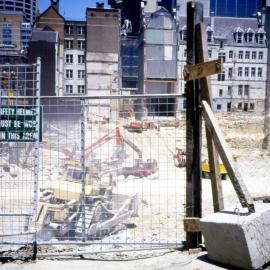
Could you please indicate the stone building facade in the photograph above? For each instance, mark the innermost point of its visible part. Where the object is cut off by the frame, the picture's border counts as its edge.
(242, 47)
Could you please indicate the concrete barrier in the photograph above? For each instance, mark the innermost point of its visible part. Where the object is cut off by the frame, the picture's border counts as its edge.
(236, 238)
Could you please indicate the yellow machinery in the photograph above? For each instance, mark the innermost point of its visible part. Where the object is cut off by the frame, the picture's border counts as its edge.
(206, 170)
(64, 213)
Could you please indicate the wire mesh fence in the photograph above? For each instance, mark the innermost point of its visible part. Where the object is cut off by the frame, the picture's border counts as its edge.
(105, 174)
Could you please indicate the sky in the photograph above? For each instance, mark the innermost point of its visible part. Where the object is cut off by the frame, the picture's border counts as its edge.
(71, 9)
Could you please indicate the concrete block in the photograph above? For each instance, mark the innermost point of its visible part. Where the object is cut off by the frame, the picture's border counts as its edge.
(239, 239)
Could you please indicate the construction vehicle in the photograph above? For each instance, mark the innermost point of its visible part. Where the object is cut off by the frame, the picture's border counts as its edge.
(180, 161)
(64, 212)
(140, 168)
(134, 125)
(206, 170)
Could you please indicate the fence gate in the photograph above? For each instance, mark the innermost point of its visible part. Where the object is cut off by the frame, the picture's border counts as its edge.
(105, 176)
(19, 156)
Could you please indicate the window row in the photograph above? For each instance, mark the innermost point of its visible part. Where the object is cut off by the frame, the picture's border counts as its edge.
(242, 89)
(80, 89)
(69, 59)
(80, 74)
(69, 44)
(70, 30)
(240, 106)
(259, 38)
(248, 55)
(246, 72)
(239, 37)
(254, 55)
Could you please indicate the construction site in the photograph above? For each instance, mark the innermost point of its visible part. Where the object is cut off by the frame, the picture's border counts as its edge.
(112, 176)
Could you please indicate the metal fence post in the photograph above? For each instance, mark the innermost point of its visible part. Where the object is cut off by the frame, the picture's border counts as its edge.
(36, 168)
(83, 201)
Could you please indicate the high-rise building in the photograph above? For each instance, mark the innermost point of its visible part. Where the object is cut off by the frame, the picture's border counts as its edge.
(236, 8)
(15, 34)
(27, 7)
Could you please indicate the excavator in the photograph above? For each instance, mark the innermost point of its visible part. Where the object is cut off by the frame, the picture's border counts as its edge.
(140, 169)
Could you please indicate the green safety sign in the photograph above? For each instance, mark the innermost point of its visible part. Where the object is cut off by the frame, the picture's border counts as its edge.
(20, 124)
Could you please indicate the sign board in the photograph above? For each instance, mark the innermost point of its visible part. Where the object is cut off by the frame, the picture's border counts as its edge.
(202, 70)
(20, 124)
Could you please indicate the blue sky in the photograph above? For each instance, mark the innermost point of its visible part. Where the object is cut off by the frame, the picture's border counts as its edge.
(71, 9)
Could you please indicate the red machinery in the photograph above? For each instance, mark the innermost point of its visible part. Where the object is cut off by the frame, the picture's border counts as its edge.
(133, 124)
(140, 169)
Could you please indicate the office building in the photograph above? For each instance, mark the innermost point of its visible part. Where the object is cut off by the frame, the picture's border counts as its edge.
(29, 8)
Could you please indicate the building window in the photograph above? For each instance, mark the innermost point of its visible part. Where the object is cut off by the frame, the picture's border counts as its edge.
(240, 72)
(246, 72)
(246, 90)
(230, 73)
(184, 35)
(260, 38)
(259, 72)
(240, 55)
(185, 53)
(222, 56)
(209, 36)
(251, 106)
(229, 106)
(69, 30)
(81, 89)
(69, 89)
(69, 74)
(26, 32)
(247, 55)
(253, 72)
(69, 58)
(221, 77)
(240, 90)
(81, 59)
(80, 30)
(240, 106)
(239, 37)
(81, 74)
(220, 92)
(230, 54)
(229, 90)
(7, 34)
(81, 44)
(69, 44)
(209, 53)
(219, 107)
(221, 45)
(250, 37)
(254, 55)
(260, 55)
